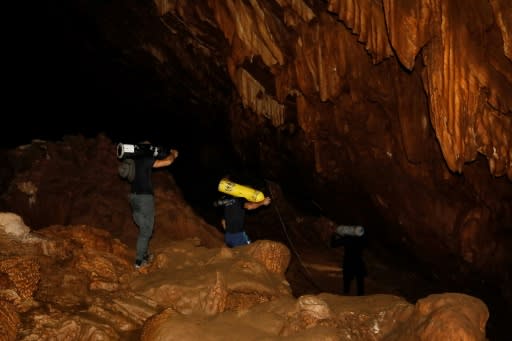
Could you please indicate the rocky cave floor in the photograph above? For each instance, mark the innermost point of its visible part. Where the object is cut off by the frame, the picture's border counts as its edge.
(316, 268)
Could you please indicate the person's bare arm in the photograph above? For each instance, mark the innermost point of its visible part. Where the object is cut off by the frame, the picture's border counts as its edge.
(166, 161)
(254, 205)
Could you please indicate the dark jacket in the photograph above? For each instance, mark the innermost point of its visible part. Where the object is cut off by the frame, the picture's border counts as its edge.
(353, 263)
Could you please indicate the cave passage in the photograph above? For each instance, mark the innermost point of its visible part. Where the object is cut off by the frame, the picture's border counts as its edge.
(69, 80)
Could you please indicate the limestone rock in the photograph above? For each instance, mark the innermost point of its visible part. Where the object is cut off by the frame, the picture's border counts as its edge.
(13, 225)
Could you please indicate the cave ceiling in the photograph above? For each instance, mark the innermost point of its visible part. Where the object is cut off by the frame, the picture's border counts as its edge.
(418, 64)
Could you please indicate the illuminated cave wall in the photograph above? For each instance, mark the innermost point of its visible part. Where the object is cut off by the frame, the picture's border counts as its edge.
(407, 101)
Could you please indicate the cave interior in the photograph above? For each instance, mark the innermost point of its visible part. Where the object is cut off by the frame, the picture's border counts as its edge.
(393, 115)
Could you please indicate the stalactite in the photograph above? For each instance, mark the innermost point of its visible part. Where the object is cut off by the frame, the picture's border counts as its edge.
(366, 19)
(254, 96)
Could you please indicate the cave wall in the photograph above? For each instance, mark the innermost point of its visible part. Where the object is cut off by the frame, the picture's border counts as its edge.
(408, 99)
(401, 105)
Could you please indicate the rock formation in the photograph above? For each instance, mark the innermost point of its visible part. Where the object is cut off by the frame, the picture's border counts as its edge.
(76, 282)
(418, 90)
(392, 114)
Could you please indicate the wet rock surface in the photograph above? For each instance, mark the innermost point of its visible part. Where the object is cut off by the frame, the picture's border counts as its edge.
(78, 280)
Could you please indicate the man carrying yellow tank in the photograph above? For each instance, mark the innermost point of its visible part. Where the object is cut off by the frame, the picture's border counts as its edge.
(240, 198)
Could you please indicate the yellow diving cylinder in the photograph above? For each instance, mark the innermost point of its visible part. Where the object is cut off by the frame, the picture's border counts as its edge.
(237, 190)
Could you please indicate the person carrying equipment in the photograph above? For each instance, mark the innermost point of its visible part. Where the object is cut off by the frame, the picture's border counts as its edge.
(240, 198)
(353, 239)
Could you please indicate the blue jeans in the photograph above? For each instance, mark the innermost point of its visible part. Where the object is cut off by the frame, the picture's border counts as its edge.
(236, 239)
(143, 211)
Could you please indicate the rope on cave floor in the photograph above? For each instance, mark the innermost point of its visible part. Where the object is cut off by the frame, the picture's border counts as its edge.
(292, 246)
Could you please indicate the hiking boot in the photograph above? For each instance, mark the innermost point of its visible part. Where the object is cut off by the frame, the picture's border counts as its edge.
(140, 264)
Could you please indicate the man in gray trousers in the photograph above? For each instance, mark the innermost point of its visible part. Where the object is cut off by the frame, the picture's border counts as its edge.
(143, 202)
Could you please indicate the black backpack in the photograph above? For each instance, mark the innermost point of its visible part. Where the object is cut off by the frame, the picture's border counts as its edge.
(127, 169)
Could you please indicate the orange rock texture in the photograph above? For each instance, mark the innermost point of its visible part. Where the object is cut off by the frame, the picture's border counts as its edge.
(190, 292)
(407, 102)
(402, 106)
(418, 90)
(461, 51)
